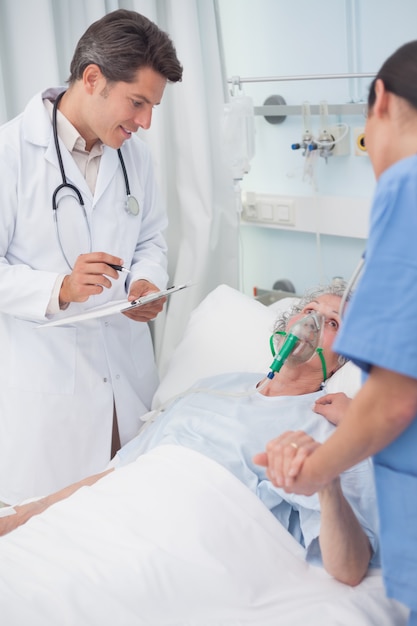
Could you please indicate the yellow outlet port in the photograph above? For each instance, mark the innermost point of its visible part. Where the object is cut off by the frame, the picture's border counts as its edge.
(360, 145)
(360, 142)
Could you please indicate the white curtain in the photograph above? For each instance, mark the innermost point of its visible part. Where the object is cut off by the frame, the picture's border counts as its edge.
(37, 38)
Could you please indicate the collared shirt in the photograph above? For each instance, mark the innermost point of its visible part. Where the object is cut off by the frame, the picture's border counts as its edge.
(88, 162)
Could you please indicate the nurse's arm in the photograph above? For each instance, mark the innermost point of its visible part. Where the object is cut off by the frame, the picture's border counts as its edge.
(25, 511)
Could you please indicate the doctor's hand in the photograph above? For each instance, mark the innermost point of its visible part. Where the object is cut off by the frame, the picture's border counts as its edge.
(284, 457)
(147, 312)
(89, 277)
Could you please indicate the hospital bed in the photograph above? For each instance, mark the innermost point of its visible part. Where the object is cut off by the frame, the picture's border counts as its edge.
(173, 539)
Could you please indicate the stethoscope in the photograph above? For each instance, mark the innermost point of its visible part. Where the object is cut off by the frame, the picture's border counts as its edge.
(351, 285)
(131, 204)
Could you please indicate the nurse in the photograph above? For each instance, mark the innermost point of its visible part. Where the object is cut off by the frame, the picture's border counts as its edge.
(78, 196)
(380, 334)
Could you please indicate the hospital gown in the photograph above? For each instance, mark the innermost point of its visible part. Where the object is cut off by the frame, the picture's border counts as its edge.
(230, 429)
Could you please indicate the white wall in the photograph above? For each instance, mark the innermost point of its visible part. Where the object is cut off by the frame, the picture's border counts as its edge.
(299, 37)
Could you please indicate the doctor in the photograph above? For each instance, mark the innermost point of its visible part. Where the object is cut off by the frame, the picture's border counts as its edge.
(78, 195)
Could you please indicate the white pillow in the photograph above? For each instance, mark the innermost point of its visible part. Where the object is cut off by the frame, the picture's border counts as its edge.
(229, 332)
(347, 379)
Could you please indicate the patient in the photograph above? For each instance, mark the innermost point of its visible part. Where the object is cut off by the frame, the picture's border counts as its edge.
(229, 418)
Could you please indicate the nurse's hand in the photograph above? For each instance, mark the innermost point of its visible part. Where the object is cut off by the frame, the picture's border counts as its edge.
(89, 277)
(146, 312)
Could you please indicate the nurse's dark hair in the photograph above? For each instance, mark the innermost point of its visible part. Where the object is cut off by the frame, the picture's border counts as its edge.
(122, 42)
(336, 288)
(399, 75)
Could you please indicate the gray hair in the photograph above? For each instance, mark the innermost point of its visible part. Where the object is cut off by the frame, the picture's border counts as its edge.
(336, 288)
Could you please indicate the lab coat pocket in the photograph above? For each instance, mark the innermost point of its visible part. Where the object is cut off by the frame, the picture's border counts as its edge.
(42, 360)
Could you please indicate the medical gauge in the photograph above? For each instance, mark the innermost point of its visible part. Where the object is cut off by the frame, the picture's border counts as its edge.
(131, 204)
(299, 344)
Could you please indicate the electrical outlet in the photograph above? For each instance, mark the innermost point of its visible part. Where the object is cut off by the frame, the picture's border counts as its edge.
(359, 141)
(266, 209)
(341, 136)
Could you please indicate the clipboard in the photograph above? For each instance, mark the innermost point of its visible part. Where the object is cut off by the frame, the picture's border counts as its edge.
(120, 306)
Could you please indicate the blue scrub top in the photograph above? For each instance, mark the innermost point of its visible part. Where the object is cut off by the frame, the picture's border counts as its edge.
(380, 328)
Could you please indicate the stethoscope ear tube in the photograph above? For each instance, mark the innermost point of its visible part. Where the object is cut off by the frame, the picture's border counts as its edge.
(131, 203)
(66, 186)
(57, 148)
(352, 282)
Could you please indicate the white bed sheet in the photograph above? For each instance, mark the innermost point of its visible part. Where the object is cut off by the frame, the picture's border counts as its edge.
(182, 543)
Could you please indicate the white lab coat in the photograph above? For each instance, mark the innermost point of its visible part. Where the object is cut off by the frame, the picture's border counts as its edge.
(58, 384)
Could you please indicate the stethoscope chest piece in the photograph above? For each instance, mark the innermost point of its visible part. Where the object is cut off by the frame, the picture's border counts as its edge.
(132, 205)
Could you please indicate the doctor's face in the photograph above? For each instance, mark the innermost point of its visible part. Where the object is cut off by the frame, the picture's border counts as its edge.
(116, 110)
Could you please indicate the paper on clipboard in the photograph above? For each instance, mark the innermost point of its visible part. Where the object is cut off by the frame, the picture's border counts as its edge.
(114, 307)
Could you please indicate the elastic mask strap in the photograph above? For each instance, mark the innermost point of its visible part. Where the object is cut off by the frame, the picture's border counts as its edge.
(271, 340)
(323, 362)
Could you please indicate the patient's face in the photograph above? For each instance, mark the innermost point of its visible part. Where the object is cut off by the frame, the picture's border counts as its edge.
(327, 305)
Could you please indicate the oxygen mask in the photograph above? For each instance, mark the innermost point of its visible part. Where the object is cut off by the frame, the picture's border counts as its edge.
(299, 344)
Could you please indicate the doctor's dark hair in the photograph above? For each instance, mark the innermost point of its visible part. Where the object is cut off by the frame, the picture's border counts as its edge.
(336, 288)
(399, 75)
(122, 42)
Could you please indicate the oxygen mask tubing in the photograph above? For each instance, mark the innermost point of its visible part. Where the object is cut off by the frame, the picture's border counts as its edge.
(299, 344)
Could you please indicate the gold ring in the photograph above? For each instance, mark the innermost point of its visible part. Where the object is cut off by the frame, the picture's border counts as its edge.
(294, 445)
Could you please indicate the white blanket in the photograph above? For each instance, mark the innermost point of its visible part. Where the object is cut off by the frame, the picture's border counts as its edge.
(172, 539)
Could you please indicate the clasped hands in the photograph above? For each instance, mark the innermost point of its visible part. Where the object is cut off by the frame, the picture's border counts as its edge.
(91, 275)
(286, 457)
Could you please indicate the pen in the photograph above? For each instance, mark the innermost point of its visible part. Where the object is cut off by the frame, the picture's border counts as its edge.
(119, 268)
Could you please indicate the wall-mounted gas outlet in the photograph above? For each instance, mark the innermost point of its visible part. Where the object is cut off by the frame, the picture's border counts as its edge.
(341, 136)
(333, 142)
(359, 141)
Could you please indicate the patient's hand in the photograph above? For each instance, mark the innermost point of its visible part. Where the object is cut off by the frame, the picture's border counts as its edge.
(22, 514)
(333, 406)
(27, 510)
(284, 457)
